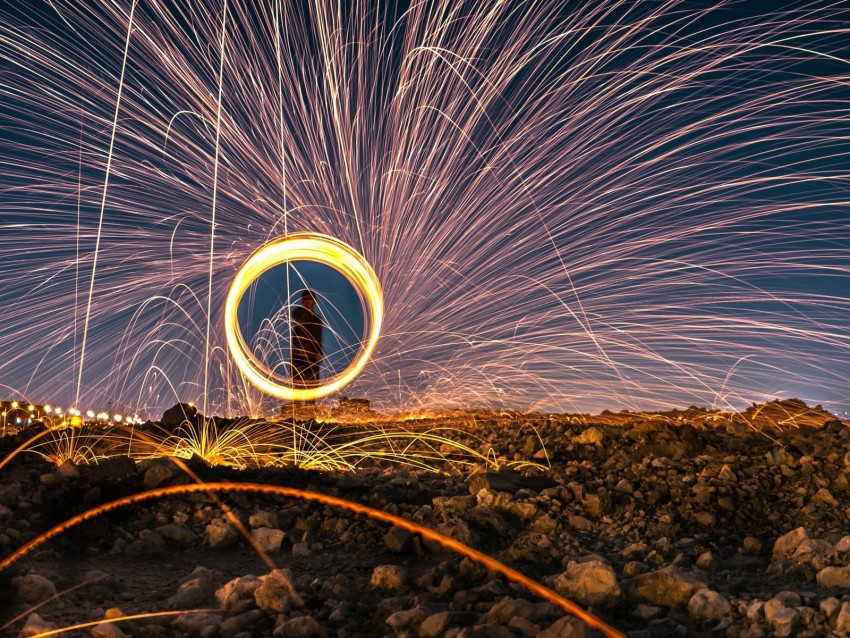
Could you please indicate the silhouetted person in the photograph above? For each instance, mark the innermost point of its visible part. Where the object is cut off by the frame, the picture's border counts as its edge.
(307, 352)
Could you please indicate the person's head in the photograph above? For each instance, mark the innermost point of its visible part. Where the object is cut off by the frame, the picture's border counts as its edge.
(308, 300)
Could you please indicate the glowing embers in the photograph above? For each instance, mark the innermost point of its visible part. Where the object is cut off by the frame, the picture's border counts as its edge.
(322, 249)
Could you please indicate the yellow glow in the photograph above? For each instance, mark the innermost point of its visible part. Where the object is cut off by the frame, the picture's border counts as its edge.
(303, 247)
(14, 404)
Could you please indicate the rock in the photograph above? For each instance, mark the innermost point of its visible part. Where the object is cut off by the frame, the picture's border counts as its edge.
(276, 594)
(69, 470)
(830, 607)
(268, 539)
(843, 545)
(509, 481)
(666, 587)
(300, 627)
(196, 623)
(566, 627)
(196, 591)
(160, 472)
(755, 610)
(787, 544)
(398, 539)
(33, 588)
(842, 620)
(234, 625)
(590, 436)
(580, 523)
(503, 610)
(107, 630)
(647, 612)
(751, 545)
(592, 583)
(238, 594)
(435, 625)
(220, 533)
(36, 625)
(545, 524)
(524, 626)
(486, 631)
(825, 497)
(446, 506)
(707, 561)
(814, 551)
(726, 474)
(707, 519)
(406, 618)
(523, 510)
(175, 416)
(263, 519)
(9, 495)
(300, 550)
(708, 605)
(177, 534)
(784, 622)
(459, 530)
(834, 577)
(148, 543)
(389, 577)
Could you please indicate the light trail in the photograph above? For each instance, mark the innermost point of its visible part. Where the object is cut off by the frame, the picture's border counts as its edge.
(293, 248)
(102, 206)
(214, 202)
(569, 208)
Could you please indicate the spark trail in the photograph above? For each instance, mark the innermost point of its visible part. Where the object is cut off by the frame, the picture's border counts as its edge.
(569, 206)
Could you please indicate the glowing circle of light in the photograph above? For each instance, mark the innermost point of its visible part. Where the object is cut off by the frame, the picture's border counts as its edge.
(305, 246)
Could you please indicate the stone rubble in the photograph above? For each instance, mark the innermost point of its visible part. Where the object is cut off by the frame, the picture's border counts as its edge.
(660, 527)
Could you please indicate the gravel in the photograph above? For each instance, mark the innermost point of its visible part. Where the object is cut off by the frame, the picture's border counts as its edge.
(678, 524)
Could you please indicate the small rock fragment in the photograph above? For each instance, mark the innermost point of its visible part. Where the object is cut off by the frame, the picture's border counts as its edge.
(33, 588)
(707, 605)
(388, 577)
(592, 583)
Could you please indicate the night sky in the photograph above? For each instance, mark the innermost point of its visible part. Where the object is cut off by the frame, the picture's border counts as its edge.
(571, 206)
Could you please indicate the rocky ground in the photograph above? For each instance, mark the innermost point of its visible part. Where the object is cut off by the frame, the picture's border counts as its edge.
(677, 524)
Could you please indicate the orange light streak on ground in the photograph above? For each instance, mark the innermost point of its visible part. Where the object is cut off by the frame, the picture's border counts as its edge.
(22, 447)
(357, 508)
(158, 614)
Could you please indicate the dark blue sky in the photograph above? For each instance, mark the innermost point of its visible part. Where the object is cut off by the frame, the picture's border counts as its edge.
(268, 303)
